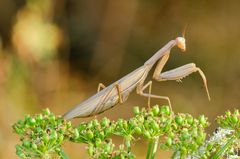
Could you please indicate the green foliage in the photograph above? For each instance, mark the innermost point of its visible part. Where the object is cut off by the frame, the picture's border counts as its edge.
(42, 135)
(225, 141)
(230, 121)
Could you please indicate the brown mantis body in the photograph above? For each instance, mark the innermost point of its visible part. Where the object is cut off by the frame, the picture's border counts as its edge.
(119, 91)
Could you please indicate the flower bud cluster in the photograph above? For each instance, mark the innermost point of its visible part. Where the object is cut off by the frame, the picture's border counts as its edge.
(41, 135)
(225, 141)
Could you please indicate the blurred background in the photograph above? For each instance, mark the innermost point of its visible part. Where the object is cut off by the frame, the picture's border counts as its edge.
(53, 53)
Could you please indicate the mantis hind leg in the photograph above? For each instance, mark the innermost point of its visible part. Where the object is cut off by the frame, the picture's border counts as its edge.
(100, 106)
(180, 73)
(149, 95)
(100, 86)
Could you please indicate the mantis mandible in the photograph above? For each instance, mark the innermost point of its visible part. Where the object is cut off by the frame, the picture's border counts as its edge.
(118, 92)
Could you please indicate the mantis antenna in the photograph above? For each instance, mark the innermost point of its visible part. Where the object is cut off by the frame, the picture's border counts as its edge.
(184, 31)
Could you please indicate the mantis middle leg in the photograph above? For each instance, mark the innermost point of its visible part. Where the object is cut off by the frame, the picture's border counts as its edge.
(149, 95)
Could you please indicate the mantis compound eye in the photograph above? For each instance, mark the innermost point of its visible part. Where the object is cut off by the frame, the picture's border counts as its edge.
(181, 43)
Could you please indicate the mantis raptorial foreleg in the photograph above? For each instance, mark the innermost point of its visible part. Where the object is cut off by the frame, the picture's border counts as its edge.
(100, 86)
(181, 72)
(149, 95)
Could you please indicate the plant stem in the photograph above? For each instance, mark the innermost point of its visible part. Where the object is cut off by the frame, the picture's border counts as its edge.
(155, 146)
(62, 154)
(152, 148)
(221, 151)
(174, 155)
(150, 145)
(128, 144)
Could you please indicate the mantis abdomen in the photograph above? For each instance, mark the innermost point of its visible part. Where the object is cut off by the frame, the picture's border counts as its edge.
(109, 96)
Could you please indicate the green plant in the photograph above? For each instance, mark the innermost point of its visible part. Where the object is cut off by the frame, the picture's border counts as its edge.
(42, 135)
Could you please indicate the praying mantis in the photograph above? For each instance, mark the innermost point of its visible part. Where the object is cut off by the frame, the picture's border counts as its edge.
(119, 91)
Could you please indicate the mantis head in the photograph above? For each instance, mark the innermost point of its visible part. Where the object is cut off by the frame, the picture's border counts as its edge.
(181, 43)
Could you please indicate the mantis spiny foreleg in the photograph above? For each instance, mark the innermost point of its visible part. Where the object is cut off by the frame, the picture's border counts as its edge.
(180, 73)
